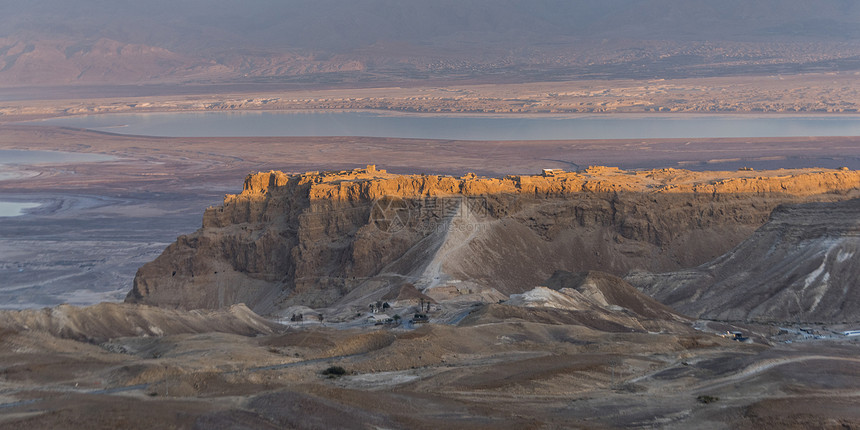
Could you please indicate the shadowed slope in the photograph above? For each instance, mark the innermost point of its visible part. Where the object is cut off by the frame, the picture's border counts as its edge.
(801, 266)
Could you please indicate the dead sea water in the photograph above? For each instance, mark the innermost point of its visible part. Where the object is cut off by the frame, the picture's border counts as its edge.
(463, 127)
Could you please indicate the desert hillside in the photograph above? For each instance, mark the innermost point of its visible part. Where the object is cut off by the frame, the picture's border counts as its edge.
(801, 266)
(104, 321)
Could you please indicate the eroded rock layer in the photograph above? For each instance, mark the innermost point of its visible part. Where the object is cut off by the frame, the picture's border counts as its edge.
(314, 238)
(104, 321)
(801, 266)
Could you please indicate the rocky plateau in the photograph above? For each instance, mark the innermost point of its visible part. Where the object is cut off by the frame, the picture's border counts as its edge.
(333, 239)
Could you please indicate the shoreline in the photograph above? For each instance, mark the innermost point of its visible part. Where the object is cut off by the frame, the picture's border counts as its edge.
(270, 124)
(804, 94)
(22, 119)
(398, 154)
(405, 113)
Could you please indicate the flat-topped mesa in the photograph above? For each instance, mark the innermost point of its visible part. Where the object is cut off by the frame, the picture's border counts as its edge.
(373, 183)
(313, 238)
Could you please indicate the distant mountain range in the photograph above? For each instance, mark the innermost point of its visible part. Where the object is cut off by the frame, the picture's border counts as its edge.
(52, 42)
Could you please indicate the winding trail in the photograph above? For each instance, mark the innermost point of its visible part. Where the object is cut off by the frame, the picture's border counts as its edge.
(765, 365)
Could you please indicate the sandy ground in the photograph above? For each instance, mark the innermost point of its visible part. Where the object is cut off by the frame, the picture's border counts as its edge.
(508, 374)
(806, 93)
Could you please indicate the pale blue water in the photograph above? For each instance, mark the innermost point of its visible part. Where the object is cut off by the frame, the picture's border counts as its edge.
(464, 127)
(15, 156)
(8, 209)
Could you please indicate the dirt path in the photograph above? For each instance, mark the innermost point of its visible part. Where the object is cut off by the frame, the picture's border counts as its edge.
(763, 366)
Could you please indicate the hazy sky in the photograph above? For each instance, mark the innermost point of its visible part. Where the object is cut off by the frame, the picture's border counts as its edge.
(347, 24)
(56, 42)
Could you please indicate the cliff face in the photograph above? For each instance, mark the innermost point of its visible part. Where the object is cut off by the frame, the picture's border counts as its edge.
(317, 237)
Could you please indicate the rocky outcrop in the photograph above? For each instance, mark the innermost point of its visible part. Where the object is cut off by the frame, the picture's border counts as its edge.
(802, 266)
(592, 299)
(104, 321)
(611, 292)
(315, 238)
